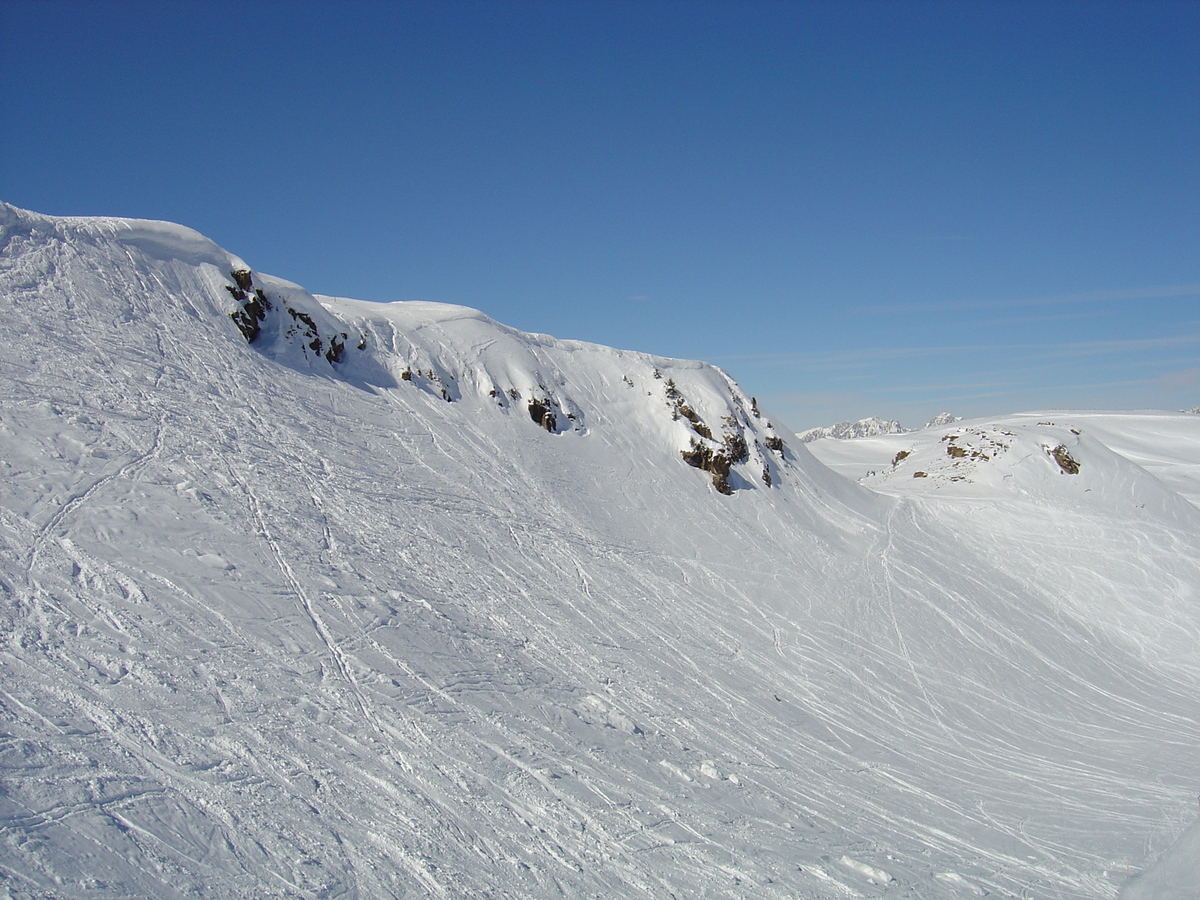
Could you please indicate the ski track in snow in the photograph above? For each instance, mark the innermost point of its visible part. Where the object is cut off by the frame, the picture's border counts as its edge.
(275, 627)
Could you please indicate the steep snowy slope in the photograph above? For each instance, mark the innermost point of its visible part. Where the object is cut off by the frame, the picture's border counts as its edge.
(307, 597)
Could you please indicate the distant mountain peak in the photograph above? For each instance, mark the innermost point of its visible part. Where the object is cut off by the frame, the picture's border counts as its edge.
(868, 427)
(871, 427)
(942, 419)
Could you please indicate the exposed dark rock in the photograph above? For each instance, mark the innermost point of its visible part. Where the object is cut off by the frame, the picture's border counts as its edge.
(735, 448)
(310, 326)
(920, 474)
(775, 442)
(337, 346)
(956, 451)
(702, 456)
(244, 282)
(900, 455)
(1065, 461)
(541, 412)
(250, 316)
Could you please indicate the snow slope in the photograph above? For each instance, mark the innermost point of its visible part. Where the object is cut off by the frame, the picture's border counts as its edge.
(394, 601)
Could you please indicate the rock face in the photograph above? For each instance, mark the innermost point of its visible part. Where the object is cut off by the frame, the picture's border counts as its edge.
(701, 455)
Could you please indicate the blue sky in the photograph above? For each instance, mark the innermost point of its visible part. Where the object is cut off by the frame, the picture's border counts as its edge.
(855, 208)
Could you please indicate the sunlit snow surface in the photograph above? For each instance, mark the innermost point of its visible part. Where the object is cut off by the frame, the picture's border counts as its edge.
(280, 626)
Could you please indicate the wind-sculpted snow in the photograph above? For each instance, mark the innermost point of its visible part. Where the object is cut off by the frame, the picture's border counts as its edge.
(281, 625)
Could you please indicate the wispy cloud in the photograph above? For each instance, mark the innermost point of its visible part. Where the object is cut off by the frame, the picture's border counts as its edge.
(1181, 379)
(880, 354)
(992, 389)
(1007, 321)
(1123, 295)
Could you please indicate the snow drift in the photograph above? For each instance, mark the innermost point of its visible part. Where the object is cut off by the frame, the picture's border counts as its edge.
(309, 597)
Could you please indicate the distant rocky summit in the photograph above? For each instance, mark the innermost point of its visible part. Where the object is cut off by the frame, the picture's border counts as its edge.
(870, 427)
(942, 419)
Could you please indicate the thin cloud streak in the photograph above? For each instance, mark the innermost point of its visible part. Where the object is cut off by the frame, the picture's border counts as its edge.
(1159, 292)
(1083, 348)
(951, 398)
(887, 389)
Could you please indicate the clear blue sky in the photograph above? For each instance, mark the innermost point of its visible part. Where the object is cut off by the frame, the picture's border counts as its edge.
(856, 208)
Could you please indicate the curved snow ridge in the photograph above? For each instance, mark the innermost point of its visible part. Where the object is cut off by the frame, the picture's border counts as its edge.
(159, 240)
(691, 409)
(172, 275)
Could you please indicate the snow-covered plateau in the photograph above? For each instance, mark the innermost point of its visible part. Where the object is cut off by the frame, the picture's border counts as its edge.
(310, 597)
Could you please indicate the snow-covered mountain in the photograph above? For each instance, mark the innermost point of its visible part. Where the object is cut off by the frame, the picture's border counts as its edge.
(308, 597)
(869, 427)
(842, 431)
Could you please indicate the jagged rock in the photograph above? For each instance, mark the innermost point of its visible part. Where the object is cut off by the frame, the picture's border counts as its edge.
(310, 326)
(541, 412)
(250, 316)
(702, 456)
(735, 448)
(1065, 461)
(337, 346)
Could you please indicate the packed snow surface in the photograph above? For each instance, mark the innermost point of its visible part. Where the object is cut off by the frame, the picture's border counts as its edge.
(308, 597)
